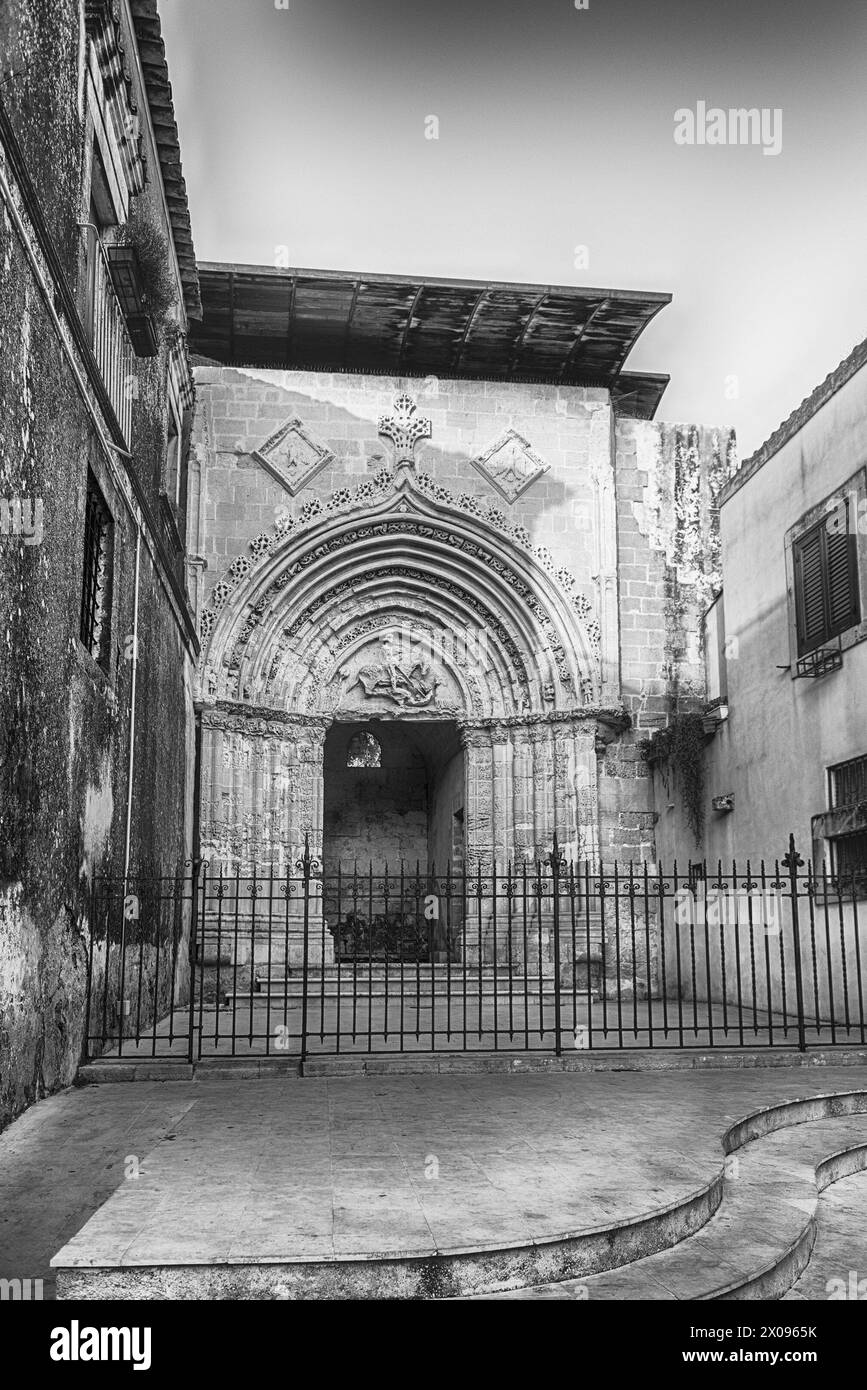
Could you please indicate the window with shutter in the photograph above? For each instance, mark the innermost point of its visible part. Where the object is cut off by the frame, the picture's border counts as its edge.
(826, 581)
(96, 578)
(842, 581)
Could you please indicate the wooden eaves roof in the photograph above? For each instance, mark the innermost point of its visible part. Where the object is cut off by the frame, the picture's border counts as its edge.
(421, 326)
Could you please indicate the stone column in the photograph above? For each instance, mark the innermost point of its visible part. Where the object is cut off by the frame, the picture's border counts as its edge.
(522, 793)
(544, 822)
(300, 812)
(605, 571)
(578, 791)
(479, 827)
(479, 821)
(503, 796)
(261, 795)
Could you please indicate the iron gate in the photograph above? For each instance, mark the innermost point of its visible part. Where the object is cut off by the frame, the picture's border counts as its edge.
(543, 956)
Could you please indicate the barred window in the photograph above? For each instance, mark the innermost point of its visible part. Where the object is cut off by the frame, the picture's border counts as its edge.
(850, 859)
(849, 782)
(96, 580)
(826, 580)
(364, 751)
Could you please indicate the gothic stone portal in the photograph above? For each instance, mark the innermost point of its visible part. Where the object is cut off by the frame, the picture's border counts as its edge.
(443, 792)
(472, 661)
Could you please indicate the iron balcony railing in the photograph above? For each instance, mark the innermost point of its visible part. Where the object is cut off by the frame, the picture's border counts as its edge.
(109, 336)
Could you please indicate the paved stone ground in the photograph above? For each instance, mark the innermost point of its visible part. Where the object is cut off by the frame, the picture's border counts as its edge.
(325, 1166)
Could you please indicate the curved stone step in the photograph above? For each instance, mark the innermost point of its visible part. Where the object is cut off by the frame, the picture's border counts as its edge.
(837, 1269)
(440, 1273)
(759, 1240)
(753, 1245)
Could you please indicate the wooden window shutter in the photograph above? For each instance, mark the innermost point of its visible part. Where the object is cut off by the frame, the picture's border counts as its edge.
(826, 581)
(810, 591)
(843, 605)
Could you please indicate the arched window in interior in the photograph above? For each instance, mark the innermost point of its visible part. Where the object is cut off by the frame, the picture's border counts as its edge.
(364, 751)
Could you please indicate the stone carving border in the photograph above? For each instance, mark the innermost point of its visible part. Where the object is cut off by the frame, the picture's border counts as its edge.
(378, 488)
(388, 571)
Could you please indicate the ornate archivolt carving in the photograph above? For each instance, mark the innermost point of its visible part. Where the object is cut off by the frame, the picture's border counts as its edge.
(399, 572)
(511, 464)
(375, 490)
(321, 576)
(519, 536)
(425, 531)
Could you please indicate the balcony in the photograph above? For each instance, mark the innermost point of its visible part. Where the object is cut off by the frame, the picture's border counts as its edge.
(109, 338)
(126, 277)
(119, 324)
(819, 662)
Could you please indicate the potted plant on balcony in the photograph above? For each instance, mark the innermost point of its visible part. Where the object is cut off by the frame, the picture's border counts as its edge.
(140, 263)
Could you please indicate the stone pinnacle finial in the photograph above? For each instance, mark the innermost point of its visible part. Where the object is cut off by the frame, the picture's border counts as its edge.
(404, 428)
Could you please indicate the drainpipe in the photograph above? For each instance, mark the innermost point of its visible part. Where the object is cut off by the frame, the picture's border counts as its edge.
(131, 761)
(129, 783)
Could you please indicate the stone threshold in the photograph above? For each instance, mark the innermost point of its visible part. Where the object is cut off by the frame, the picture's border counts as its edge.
(461, 1064)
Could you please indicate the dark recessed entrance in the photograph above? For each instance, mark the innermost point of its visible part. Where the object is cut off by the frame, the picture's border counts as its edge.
(393, 794)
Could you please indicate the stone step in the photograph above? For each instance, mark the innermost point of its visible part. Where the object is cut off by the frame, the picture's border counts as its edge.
(759, 1240)
(837, 1268)
(378, 997)
(378, 987)
(743, 1231)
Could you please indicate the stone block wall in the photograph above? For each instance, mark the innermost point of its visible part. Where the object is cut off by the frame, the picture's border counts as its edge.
(568, 427)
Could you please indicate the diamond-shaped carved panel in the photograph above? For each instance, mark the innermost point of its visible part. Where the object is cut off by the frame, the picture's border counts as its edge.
(293, 456)
(511, 464)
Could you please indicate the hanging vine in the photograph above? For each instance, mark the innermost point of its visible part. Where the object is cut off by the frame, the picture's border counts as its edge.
(680, 748)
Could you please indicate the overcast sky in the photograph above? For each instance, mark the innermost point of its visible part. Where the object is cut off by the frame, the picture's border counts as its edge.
(305, 127)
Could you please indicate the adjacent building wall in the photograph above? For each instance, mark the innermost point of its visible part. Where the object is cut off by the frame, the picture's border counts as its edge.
(772, 736)
(771, 752)
(64, 720)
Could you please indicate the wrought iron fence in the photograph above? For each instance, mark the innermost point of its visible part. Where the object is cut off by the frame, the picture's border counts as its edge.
(548, 956)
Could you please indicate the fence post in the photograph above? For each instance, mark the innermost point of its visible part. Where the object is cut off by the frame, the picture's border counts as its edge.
(86, 1047)
(793, 861)
(194, 952)
(555, 887)
(305, 868)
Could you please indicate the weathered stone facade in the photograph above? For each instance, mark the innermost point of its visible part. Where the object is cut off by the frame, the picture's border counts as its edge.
(515, 561)
(94, 754)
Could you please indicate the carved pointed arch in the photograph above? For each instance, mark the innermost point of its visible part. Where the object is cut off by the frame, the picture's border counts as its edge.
(408, 604)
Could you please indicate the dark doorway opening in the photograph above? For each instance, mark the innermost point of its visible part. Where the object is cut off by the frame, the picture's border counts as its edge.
(393, 795)
(392, 836)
